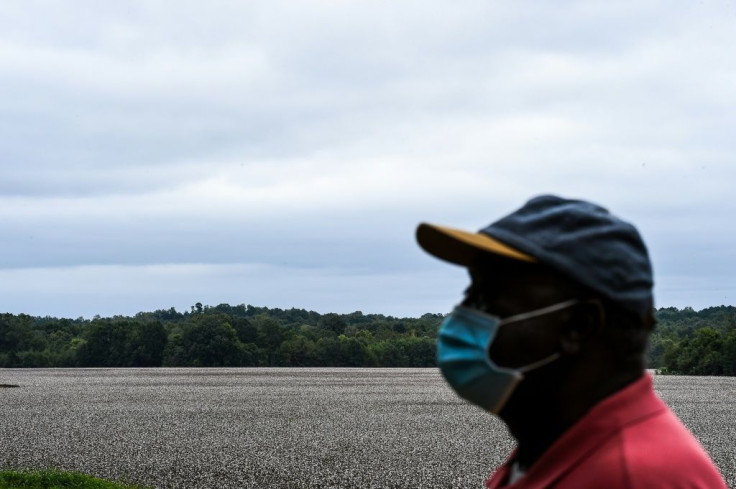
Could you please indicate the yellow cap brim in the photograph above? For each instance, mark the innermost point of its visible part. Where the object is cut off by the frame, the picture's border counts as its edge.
(462, 247)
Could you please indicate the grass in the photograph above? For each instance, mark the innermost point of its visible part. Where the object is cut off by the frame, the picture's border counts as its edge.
(51, 479)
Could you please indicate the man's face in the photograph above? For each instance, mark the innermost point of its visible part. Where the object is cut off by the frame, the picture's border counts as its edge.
(505, 288)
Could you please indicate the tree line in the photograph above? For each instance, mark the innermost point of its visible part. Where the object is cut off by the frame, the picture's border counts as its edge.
(220, 336)
(692, 342)
(684, 342)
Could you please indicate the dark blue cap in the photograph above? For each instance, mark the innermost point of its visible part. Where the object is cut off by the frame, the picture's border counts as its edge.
(579, 239)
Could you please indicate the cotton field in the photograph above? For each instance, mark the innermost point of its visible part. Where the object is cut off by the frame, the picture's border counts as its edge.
(286, 428)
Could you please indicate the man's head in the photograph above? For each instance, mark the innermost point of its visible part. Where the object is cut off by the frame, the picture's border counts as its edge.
(552, 251)
(578, 239)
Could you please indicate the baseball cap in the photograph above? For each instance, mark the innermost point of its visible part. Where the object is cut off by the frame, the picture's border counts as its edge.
(579, 239)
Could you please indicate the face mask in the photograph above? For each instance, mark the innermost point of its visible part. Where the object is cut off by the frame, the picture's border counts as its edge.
(463, 346)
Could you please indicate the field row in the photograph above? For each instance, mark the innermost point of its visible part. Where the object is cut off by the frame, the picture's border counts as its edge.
(347, 428)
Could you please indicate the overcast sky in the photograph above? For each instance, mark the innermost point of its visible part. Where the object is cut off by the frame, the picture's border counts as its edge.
(158, 154)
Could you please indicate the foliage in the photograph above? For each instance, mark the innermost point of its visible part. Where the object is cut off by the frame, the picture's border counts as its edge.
(220, 336)
(685, 341)
(50, 479)
(692, 342)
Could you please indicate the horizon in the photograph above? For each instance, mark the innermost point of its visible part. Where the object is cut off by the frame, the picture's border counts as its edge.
(190, 310)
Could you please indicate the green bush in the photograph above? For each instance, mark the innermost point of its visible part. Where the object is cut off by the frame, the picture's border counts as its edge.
(51, 479)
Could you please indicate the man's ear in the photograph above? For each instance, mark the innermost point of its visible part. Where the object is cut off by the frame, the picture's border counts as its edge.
(585, 322)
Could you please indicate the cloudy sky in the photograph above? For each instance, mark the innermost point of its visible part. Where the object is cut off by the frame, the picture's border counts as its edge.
(280, 153)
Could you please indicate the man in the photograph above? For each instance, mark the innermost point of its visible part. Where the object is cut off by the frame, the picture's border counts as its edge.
(551, 337)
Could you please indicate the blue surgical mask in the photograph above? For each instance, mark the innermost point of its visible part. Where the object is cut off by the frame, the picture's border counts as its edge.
(463, 347)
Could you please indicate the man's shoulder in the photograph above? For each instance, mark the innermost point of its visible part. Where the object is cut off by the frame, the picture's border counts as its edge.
(631, 440)
(661, 451)
(658, 451)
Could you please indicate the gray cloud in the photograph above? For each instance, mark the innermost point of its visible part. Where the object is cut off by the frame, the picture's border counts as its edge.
(314, 136)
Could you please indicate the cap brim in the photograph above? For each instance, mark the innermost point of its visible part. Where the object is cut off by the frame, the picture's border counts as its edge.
(461, 247)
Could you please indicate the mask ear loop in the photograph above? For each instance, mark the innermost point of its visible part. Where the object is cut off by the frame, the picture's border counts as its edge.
(535, 313)
(539, 363)
(538, 312)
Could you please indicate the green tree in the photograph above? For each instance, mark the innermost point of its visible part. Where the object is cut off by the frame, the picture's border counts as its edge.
(333, 322)
(700, 355)
(298, 352)
(146, 344)
(728, 354)
(210, 342)
(270, 337)
(105, 344)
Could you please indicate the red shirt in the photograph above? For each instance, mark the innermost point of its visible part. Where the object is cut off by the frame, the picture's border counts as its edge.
(629, 440)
